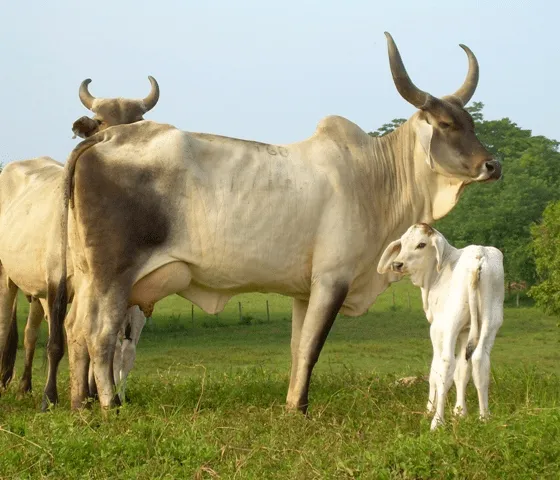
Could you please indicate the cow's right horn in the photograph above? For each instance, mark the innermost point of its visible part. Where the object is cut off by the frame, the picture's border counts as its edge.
(86, 97)
(153, 97)
(410, 92)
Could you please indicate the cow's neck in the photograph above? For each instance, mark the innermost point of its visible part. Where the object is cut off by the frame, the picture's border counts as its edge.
(415, 192)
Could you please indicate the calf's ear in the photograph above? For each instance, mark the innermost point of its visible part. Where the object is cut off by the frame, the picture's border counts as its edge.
(439, 244)
(389, 255)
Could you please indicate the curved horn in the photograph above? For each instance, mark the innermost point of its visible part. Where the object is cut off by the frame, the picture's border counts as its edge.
(86, 97)
(153, 97)
(466, 91)
(410, 92)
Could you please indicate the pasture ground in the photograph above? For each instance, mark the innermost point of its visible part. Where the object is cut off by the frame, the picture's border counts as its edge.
(206, 401)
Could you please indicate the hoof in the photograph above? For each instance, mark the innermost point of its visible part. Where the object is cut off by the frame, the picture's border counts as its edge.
(460, 411)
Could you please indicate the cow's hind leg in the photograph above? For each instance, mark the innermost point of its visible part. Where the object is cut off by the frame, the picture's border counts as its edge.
(324, 303)
(78, 355)
(102, 341)
(34, 319)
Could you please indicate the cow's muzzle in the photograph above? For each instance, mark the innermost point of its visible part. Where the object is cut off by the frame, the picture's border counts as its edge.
(494, 169)
(397, 267)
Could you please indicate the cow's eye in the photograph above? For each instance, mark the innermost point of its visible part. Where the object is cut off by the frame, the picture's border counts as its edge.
(420, 245)
(444, 125)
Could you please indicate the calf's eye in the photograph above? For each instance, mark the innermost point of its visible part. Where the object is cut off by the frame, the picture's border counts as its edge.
(444, 125)
(420, 245)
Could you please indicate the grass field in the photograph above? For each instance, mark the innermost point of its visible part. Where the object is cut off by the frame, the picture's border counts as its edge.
(207, 396)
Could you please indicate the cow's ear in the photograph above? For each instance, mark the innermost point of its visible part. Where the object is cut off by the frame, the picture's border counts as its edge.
(389, 255)
(424, 133)
(439, 244)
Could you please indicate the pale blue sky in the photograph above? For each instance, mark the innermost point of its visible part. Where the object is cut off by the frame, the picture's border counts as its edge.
(266, 71)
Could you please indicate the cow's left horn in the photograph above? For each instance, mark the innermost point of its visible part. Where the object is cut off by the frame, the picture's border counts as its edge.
(86, 97)
(410, 92)
(466, 91)
(153, 97)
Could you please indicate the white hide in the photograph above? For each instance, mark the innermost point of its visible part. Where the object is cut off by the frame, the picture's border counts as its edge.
(463, 295)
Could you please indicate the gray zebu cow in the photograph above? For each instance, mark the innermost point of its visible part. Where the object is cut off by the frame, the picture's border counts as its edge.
(30, 197)
(157, 211)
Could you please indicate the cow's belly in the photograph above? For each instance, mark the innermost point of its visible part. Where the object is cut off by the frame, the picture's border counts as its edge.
(23, 258)
(28, 276)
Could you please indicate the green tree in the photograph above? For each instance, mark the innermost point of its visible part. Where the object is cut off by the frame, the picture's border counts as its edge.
(546, 247)
(388, 127)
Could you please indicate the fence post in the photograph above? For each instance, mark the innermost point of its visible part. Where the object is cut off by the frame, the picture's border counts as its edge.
(267, 312)
(517, 299)
(240, 312)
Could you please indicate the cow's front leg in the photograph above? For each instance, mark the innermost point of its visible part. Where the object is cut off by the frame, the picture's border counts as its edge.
(34, 319)
(8, 328)
(299, 310)
(326, 298)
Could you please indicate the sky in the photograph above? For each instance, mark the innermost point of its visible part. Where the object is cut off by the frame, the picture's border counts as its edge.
(267, 71)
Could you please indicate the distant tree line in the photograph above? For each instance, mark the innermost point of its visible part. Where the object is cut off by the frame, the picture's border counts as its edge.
(510, 214)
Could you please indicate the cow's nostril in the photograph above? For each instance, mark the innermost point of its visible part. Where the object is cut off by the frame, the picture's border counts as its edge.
(397, 265)
(490, 166)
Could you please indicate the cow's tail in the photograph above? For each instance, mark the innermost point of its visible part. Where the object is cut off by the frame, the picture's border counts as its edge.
(10, 349)
(58, 306)
(473, 293)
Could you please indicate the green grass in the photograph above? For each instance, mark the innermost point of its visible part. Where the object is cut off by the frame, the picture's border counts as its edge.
(207, 401)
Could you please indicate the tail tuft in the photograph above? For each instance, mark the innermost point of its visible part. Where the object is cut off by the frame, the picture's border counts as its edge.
(55, 345)
(470, 350)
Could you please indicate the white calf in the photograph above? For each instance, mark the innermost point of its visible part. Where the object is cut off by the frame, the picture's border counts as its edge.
(461, 288)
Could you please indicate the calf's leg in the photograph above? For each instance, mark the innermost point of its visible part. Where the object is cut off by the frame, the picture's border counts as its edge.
(481, 366)
(445, 365)
(462, 374)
